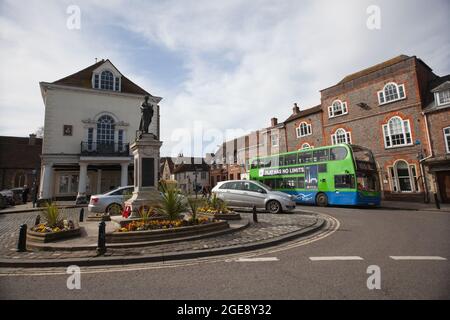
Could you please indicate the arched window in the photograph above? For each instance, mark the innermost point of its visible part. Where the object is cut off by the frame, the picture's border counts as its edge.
(105, 130)
(107, 80)
(404, 177)
(391, 92)
(305, 146)
(337, 108)
(19, 179)
(341, 136)
(304, 129)
(397, 132)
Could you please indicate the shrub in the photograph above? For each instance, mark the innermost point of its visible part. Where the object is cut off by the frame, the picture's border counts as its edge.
(172, 203)
(51, 215)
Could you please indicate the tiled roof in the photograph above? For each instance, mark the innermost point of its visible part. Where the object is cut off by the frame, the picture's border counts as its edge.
(304, 113)
(375, 68)
(83, 79)
(184, 167)
(441, 83)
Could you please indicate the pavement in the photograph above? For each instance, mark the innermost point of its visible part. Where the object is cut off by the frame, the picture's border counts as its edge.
(370, 254)
(28, 207)
(270, 230)
(417, 206)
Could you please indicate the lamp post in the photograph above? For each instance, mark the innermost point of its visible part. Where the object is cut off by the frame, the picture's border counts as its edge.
(34, 188)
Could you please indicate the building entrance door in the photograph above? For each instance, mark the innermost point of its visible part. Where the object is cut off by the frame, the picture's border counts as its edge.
(443, 179)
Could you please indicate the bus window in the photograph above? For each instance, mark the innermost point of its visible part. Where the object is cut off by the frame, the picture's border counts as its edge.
(322, 167)
(269, 182)
(344, 181)
(338, 153)
(290, 159)
(281, 161)
(320, 155)
(254, 164)
(301, 182)
(305, 157)
(290, 183)
(367, 182)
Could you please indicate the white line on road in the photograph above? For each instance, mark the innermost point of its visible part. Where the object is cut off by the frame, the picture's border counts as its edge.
(417, 258)
(260, 259)
(343, 258)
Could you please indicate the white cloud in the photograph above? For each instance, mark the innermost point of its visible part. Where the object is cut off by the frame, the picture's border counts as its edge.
(246, 61)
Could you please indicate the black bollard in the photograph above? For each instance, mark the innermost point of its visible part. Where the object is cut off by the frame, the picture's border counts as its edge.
(38, 220)
(81, 214)
(436, 201)
(101, 246)
(255, 216)
(22, 244)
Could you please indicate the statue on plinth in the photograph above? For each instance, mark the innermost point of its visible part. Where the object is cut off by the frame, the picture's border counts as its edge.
(146, 115)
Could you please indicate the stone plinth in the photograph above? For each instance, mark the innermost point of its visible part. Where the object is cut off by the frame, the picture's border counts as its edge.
(146, 161)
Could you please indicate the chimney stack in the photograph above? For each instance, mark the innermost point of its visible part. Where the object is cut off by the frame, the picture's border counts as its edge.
(32, 139)
(295, 109)
(273, 122)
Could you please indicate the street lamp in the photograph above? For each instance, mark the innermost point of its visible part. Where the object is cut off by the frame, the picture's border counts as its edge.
(34, 188)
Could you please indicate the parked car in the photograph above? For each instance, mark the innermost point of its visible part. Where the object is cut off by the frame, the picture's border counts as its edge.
(3, 202)
(246, 194)
(109, 202)
(9, 196)
(17, 194)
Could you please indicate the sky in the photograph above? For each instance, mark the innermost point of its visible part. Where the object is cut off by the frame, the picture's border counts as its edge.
(223, 68)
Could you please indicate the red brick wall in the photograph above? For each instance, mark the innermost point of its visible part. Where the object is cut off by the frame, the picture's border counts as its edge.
(316, 137)
(437, 121)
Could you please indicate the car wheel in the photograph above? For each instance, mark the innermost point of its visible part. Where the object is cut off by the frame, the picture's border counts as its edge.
(274, 206)
(114, 209)
(322, 200)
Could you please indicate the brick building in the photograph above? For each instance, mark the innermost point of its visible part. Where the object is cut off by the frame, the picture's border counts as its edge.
(399, 109)
(304, 128)
(231, 159)
(20, 161)
(437, 121)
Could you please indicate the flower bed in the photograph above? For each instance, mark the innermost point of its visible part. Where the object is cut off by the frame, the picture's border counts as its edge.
(155, 224)
(163, 229)
(62, 230)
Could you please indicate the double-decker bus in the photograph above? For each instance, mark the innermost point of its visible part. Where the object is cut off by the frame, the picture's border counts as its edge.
(341, 174)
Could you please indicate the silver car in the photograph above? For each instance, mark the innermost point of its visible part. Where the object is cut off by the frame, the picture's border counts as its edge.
(246, 194)
(111, 201)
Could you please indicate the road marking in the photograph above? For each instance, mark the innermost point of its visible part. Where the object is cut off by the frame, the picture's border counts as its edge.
(417, 258)
(339, 258)
(261, 259)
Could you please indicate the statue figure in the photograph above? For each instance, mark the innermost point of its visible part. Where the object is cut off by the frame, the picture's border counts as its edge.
(146, 115)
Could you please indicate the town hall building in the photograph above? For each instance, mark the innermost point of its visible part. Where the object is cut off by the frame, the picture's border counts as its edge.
(91, 117)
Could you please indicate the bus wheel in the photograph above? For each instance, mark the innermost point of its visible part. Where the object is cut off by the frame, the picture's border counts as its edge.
(274, 206)
(322, 200)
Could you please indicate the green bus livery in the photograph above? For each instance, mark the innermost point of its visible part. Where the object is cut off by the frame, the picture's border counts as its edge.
(341, 174)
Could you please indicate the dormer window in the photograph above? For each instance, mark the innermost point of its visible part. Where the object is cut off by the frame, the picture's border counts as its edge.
(443, 97)
(106, 80)
(391, 92)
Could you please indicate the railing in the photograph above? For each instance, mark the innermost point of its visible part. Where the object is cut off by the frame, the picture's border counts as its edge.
(97, 149)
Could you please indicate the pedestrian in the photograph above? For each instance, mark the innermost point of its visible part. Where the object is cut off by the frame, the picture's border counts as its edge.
(25, 192)
(204, 192)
